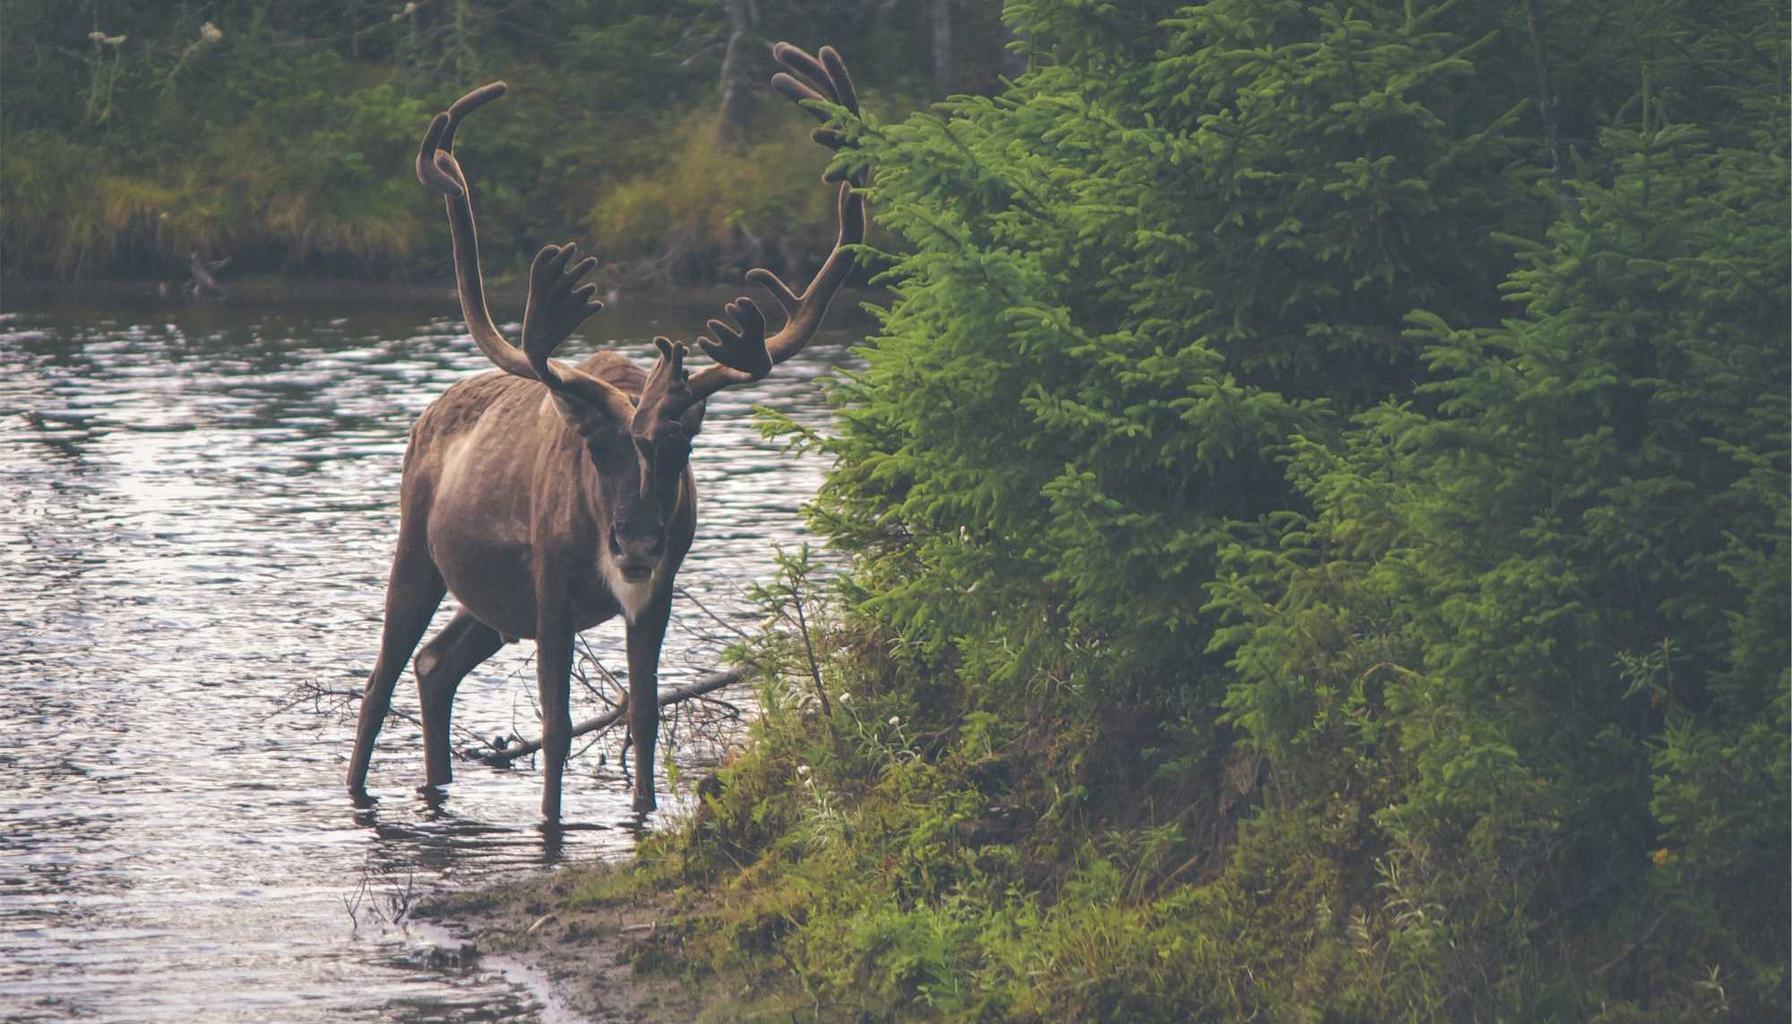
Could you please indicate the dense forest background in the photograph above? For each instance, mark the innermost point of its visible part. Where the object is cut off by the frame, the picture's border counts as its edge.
(133, 133)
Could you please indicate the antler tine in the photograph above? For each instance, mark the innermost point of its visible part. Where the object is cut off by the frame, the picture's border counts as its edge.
(809, 78)
(841, 79)
(744, 349)
(799, 61)
(467, 104)
(740, 356)
(803, 312)
(557, 303)
(799, 90)
(809, 81)
(436, 166)
(780, 292)
(431, 175)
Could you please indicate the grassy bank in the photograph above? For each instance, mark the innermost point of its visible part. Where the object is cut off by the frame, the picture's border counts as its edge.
(282, 134)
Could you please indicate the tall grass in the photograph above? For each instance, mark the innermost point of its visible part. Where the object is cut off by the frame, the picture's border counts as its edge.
(711, 204)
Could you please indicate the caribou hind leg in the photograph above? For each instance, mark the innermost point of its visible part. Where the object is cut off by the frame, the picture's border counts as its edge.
(458, 649)
(413, 590)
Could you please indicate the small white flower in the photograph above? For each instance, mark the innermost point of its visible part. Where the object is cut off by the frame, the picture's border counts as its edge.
(895, 719)
(210, 33)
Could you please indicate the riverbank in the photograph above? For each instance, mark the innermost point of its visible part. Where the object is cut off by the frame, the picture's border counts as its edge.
(588, 953)
(599, 948)
(286, 134)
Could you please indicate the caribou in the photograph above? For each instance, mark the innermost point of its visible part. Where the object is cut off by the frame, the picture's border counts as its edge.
(549, 497)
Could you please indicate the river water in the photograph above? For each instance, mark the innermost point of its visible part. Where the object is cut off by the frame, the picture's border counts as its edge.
(197, 506)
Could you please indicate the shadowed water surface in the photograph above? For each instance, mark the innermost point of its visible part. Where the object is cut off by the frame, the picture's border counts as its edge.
(197, 506)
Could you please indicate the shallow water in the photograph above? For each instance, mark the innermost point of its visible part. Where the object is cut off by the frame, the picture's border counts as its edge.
(197, 506)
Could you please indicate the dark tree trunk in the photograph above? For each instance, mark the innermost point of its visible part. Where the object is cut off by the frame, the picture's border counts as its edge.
(944, 70)
(737, 92)
(1546, 107)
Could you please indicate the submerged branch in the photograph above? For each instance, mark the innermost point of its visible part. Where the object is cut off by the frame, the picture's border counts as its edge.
(502, 758)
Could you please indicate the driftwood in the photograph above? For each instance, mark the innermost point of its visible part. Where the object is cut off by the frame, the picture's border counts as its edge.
(502, 758)
(203, 284)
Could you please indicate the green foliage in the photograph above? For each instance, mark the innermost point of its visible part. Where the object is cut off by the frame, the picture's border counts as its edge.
(1101, 344)
(1555, 610)
(1306, 563)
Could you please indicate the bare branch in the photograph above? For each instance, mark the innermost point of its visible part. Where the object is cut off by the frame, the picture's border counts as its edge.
(708, 684)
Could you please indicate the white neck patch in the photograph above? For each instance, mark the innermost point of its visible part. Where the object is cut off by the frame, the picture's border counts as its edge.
(631, 596)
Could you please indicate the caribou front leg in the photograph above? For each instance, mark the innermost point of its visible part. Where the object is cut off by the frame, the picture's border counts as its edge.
(553, 675)
(645, 635)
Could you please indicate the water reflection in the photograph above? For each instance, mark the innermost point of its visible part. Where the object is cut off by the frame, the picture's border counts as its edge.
(197, 506)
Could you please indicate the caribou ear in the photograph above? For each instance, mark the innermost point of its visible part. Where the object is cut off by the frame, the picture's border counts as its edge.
(693, 418)
(590, 421)
(572, 411)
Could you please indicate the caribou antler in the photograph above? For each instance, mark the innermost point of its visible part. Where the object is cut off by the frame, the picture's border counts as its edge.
(805, 79)
(745, 354)
(670, 392)
(742, 349)
(813, 82)
(556, 304)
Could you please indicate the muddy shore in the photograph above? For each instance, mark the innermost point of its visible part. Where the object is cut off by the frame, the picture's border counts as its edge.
(590, 957)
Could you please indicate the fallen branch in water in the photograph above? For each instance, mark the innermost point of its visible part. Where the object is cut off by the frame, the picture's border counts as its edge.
(502, 757)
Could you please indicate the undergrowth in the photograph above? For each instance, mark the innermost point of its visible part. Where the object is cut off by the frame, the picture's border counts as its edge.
(907, 857)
